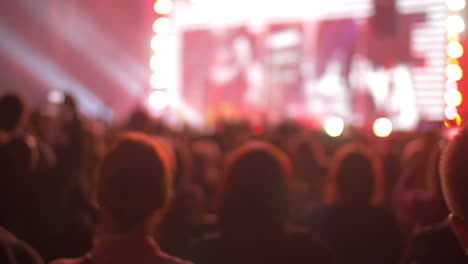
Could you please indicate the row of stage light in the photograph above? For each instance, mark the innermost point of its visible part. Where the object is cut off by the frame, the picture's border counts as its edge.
(334, 126)
(163, 32)
(455, 25)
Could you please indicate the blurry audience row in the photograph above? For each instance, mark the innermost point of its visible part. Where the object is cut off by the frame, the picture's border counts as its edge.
(77, 190)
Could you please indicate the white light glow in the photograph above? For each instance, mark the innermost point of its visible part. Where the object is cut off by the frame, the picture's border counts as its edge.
(383, 127)
(454, 49)
(451, 112)
(453, 72)
(56, 97)
(158, 100)
(334, 126)
(162, 26)
(163, 7)
(158, 63)
(456, 5)
(451, 85)
(453, 98)
(455, 24)
(159, 43)
(156, 81)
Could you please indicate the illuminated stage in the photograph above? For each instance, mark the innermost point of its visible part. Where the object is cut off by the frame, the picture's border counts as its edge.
(309, 60)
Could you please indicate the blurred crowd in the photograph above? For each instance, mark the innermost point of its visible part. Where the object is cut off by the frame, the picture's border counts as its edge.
(85, 191)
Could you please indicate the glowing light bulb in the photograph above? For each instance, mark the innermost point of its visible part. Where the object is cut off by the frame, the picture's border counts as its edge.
(456, 5)
(451, 112)
(454, 49)
(454, 72)
(455, 24)
(159, 43)
(163, 7)
(162, 26)
(158, 100)
(334, 126)
(156, 81)
(453, 98)
(383, 127)
(451, 85)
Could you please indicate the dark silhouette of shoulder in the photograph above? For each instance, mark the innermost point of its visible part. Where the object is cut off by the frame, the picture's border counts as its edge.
(435, 244)
(13, 250)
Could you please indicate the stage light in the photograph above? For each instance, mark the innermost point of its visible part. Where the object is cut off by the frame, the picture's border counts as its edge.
(162, 26)
(453, 98)
(334, 126)
(158, 99)
(56, 97)
(163, 7)
(383, 127)
(456, 5)
(156, 82)
(454, 49)
(159, 43)
(454, 72)
(451, 112)
(451, 85)
(158, 62)
(455, 24)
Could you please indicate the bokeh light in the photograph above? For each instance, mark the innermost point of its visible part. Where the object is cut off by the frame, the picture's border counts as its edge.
(453, 98)
(163, 7)
(158, 43)
(156, 82)
(456, 5)
(453, 72)
(56, 97)
(334, 126)
(451, 85)
(383, 127)
(451, 112)
(455, 24)
(454, 49)
(162, 26)
(158, 100)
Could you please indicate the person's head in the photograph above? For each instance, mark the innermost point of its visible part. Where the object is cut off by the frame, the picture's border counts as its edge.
(454, 179)
(134, 181)
(13, 112)
(254, 195)
(355, 177)
(309, 162)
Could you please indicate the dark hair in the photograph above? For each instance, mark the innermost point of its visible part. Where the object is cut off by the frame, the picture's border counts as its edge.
(355, 177)
(134, 179)
(254, 195)
(13, 112)
(454, 174)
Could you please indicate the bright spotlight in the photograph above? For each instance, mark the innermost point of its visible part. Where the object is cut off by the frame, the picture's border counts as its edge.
(158, 100)
(334, 126)
(451, 112)
(455, 24)
(158, 43)
(454, 72)
(451, 85)
(456, 5)
(453, 98)
(163, 7)
(383, 127)
(454, 49)
(56, 97)
(156, 82)
(158, 62)
(162, 26)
